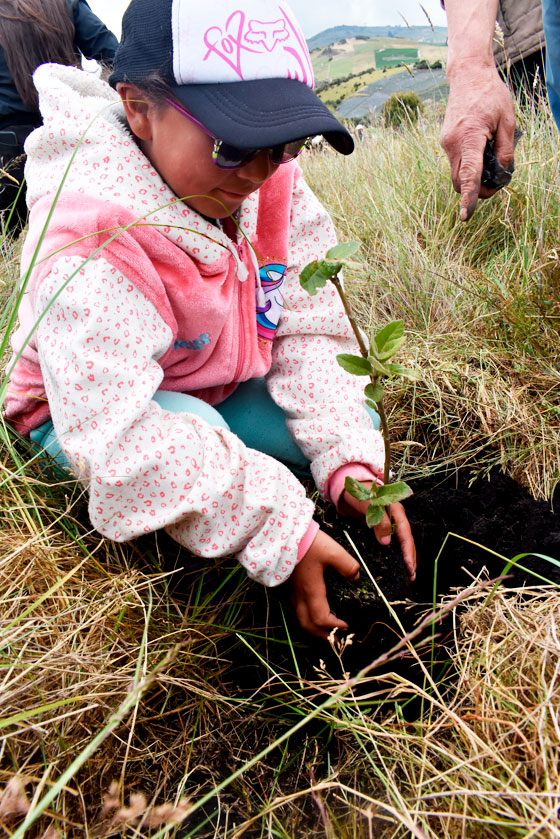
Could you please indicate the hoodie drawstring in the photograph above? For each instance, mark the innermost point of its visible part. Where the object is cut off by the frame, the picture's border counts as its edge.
(243, 272)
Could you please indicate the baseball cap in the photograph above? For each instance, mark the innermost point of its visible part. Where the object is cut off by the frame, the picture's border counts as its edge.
(241, 68)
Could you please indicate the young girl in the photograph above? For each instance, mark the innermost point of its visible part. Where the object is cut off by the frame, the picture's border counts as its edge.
(167, 286)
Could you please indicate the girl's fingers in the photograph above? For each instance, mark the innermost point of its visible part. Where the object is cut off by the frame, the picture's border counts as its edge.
(383, 530)
(315, 616)
(403, 533)
(319, 613)
(309, 593)
(401, 526)
(335, 556)
(346, 565)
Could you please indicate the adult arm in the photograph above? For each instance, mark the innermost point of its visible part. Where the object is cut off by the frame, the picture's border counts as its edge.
(92, 38)
(480, 105)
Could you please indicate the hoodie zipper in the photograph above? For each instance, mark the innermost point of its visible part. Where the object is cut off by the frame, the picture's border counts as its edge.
(241, 345)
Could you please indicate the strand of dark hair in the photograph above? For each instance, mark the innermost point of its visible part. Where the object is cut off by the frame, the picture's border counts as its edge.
(33, 32)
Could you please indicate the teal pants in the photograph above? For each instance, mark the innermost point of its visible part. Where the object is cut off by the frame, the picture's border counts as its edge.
(250, 413)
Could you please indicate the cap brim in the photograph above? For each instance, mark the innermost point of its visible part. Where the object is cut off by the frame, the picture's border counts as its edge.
(263, 113)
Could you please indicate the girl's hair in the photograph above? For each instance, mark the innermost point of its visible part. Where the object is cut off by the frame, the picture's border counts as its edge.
(156, 89)
(33, 32)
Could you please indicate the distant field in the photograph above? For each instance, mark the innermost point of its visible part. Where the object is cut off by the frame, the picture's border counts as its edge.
(355, 56)
(353, 86)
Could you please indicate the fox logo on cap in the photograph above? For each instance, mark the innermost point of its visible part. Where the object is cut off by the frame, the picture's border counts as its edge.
(267, 34)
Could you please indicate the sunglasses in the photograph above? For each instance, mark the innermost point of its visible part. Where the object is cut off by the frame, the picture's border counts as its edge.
(226, 156)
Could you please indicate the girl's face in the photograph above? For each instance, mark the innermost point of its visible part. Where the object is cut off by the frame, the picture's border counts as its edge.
(182, 154)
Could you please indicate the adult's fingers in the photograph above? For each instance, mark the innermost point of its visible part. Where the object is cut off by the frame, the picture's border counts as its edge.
(469, 176)
(504, 141)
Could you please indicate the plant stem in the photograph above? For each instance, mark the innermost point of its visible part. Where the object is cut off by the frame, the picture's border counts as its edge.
(386, 438)
(355, 328)
(365, 354)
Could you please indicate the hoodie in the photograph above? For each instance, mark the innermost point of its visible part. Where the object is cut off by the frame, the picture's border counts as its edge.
(128, 290)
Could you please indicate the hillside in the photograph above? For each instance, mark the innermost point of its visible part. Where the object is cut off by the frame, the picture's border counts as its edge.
(351, 56)
(369, 99)
(354, 76)
(424, 34)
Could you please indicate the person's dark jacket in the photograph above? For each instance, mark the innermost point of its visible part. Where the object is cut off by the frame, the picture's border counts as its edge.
(92, 39)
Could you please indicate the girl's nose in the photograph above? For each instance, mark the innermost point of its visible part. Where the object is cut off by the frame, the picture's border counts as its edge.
(258, 169)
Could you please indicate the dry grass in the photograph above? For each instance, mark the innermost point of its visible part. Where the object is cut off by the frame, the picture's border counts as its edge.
(91, 638)
(485, 762)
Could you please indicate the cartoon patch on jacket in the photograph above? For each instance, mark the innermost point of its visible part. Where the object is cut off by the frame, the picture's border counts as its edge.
(272, 279)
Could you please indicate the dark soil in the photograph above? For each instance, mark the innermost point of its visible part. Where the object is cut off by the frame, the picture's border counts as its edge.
(456, 527)
(463, 529)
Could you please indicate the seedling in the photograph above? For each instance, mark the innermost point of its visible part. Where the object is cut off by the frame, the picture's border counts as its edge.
(374, 362)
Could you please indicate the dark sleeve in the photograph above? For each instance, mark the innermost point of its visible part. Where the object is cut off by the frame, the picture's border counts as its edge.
(93, 39)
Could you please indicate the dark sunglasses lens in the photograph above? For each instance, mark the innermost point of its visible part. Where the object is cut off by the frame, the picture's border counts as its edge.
(230, 157)
(287, 151)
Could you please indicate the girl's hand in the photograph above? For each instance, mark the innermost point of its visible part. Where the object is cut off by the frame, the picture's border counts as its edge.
(395, 519)
(309, 593)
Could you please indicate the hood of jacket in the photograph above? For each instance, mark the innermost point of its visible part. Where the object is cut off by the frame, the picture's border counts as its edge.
(85, 148)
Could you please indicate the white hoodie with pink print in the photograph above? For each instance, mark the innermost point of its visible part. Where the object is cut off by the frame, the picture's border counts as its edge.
(132, 291)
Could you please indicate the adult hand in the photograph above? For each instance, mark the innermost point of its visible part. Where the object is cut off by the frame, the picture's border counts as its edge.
(394, 520)
(309, 593)
(479, 107)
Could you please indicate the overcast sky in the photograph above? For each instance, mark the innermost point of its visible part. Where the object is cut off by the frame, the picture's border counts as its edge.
(316, 15)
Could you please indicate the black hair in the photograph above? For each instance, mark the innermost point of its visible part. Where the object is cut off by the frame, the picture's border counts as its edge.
(33, 32)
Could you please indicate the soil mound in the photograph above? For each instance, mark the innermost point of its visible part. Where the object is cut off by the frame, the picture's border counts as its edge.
(463, 529)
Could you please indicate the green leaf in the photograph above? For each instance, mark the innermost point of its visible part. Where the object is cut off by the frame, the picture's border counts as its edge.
(374, 516)
(390, 493)
(398, 370)
(375, 501)
(354, 364)
(357, 490)
(378, 367)
(411, 375)
(344, 250)
(374, 392)
(389, 340)
(312, 278)
(395, 369)
(329, 269)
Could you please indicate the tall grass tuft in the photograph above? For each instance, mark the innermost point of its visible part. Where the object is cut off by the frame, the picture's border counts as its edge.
(480, 301)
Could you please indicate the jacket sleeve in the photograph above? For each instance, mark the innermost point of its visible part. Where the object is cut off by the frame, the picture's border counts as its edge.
(99, 341)
(92, 37)
(324, 405)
